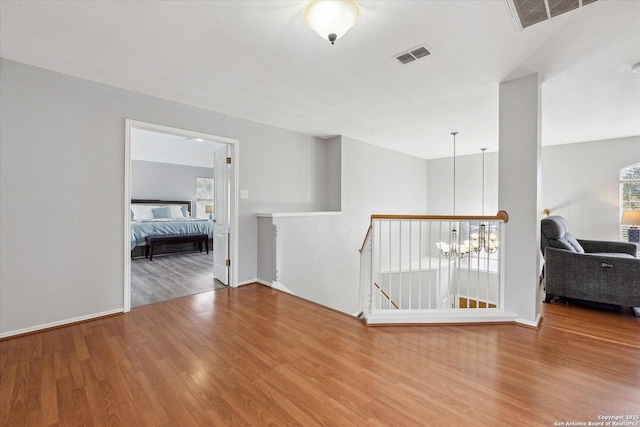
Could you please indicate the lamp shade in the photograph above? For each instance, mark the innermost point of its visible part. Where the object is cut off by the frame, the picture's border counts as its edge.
(331, 19)
(208, 209)
(630, 218)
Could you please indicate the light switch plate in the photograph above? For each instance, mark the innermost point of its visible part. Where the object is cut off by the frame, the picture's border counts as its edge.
(244, 194)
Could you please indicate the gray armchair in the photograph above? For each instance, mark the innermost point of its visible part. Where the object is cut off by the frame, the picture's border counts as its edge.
(589, 270)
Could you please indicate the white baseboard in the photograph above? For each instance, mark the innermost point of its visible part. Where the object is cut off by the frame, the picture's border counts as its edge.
(279, 286)
(534, 324)
(275, 285)
(248, 282)
(436, 316)
(60, 323)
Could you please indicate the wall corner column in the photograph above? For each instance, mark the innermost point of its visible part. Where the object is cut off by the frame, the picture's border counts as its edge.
(519, 183)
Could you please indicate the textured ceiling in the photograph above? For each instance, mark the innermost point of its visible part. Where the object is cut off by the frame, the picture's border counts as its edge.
(257, 60)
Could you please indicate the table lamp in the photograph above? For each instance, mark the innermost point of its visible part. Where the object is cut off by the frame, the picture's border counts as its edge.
(632, 218)
(209, 209)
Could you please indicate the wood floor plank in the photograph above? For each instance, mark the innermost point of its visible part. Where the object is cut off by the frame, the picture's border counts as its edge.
(255, 408)
(172, 276)
(593, 322)
(290, 404)
(256, 356)
(48, 401)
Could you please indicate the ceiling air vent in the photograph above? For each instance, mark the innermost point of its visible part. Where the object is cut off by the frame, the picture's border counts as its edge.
(413, 54)
(528, 12)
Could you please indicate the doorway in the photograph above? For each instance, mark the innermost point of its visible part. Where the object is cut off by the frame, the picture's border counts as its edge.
(229, 175)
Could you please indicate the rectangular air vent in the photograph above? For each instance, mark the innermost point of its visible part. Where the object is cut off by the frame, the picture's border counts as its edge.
(529, 12)
(559, 7)
(413, 54)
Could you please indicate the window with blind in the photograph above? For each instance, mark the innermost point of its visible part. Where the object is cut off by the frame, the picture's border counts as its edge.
(629, 193)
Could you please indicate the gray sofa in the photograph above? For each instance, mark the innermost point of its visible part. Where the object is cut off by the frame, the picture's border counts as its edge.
(588, 270)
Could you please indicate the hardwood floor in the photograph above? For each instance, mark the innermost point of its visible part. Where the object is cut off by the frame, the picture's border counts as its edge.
(619, 327)
(171, 276)
(256, 356)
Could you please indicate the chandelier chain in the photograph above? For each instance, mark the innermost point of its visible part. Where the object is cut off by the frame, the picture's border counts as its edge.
(483, 150)
(454, 172)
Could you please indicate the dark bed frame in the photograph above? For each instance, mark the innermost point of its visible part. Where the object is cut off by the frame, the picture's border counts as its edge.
(160, 249)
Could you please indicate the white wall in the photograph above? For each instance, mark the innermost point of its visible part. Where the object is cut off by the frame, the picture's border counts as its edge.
(582, 183)
(334, 173)
(380, 181)
(166, 181)
(579, 181)
(266, 250)
(165, 148)
(62, 188)
(468, 185)
(319, 258)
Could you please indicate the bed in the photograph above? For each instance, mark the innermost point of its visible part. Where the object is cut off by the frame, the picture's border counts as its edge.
(164, 218)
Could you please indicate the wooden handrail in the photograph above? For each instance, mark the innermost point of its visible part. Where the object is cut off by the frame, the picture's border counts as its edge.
(386, 295)
(366, 236)
(500, 216)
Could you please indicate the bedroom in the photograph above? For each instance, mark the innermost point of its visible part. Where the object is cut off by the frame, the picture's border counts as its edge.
(172, 193)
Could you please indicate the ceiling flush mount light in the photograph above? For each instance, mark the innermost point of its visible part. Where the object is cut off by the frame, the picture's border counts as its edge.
(331, 19)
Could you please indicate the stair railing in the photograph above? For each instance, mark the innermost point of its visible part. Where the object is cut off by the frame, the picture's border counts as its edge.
(417, 266)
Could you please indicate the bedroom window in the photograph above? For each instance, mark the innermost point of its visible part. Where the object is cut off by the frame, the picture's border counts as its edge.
(629, 193)
(204, 196)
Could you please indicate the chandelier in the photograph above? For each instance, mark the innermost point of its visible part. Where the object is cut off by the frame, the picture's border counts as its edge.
(453, 248)
(484, 240)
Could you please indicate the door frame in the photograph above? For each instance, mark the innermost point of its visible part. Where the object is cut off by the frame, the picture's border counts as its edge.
(234, 149)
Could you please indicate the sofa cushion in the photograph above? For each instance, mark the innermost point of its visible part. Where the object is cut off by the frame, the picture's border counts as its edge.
(612, 255)
(556, 230)
(553, 227)
(574, 242)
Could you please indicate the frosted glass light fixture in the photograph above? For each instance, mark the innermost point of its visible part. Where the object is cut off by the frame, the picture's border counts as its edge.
(331, 19)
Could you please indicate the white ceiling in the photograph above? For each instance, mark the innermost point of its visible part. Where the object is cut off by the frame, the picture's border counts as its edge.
(257, 60)
(164, 148)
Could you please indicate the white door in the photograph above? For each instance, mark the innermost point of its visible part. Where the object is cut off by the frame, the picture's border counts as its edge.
(221, 220)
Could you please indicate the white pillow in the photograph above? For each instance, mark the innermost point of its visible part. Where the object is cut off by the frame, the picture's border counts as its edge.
(176, 211)
(143, 211)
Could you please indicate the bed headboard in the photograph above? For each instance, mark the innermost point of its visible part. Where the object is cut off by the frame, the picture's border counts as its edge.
(182, 203)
